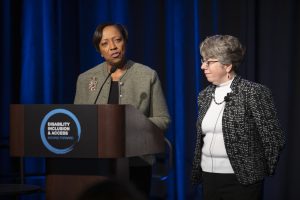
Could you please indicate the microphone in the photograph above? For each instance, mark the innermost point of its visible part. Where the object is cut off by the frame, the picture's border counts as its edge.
(227, 98)
(112, 70)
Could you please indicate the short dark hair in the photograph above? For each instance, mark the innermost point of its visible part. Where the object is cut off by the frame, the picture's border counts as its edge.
(99, 31)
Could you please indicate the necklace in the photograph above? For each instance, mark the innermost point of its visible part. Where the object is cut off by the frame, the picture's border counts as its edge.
(218, 103)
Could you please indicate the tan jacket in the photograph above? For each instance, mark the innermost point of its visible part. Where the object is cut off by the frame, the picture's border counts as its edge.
(139, 86)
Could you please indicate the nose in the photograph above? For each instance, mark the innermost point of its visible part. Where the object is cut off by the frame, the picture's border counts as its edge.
(112, 45)
(203, 66)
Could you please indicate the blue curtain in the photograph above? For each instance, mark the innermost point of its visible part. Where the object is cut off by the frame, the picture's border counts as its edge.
(55, 46)
(46, 44)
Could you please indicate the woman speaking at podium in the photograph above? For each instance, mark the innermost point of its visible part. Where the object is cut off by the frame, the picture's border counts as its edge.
(121, 81)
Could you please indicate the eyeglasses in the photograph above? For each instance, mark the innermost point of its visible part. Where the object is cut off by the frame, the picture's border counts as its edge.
(208, 62)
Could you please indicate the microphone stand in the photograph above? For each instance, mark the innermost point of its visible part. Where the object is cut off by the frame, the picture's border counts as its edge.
(112, 70)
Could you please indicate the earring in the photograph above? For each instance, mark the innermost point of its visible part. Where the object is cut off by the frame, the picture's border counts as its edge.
(228, 76)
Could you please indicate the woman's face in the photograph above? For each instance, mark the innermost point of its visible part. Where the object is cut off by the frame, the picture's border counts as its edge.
(215, 72)
(112, 46)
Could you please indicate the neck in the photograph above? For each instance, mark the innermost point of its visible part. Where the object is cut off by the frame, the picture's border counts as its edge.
(227, 78)
(121, 66)
(116, 76)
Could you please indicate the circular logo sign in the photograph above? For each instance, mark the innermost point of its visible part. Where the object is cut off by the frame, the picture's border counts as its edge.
(60, 131)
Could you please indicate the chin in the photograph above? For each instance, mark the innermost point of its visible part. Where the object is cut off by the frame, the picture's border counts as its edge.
(118, 62)
(115, 61)
(209, 80)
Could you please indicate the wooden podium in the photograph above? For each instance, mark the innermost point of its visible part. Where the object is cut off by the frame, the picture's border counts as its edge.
(82, 144)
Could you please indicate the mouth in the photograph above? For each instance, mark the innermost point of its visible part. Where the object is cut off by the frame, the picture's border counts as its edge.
(115, 54)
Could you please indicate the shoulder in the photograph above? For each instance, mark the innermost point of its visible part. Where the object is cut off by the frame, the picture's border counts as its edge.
(250, 91)
(206, 91)
(141, 71)
(94, 71)
(140, 68)
(252, 87)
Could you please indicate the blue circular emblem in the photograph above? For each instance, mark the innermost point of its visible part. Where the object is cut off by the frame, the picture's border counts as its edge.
(45, 140)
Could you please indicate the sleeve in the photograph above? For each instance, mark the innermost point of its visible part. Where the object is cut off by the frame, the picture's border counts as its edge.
(266, 120)
(80, 95)
(159, 114)
(196, 169)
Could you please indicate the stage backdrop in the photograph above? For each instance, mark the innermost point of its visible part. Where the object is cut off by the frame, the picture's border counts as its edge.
(46, 44)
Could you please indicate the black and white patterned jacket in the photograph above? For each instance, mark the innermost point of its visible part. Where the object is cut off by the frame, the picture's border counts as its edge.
(252, 133)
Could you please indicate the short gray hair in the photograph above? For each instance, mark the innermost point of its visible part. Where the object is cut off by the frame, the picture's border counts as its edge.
(226, 48)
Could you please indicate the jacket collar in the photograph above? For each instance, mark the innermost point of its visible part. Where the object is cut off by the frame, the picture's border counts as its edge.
(128, 65)
(234, 86)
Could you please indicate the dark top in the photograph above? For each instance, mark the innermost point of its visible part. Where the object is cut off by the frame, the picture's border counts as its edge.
(114, 93)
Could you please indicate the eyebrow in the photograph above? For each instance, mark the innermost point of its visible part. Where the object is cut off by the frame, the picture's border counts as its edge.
(114, 37)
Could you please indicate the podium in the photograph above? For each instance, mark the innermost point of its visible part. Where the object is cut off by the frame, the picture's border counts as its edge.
(82, 144)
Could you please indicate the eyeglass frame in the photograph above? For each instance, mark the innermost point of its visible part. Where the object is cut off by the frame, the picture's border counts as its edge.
(208, 62)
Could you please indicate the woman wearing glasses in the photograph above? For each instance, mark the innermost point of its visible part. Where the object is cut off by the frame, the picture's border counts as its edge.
(239, 137)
